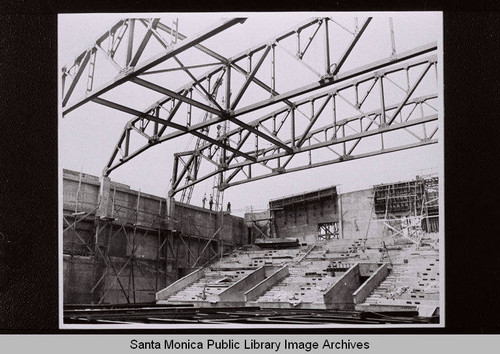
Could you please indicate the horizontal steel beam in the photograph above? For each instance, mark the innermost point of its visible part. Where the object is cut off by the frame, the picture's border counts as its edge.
(330, 162)
(384, 129)
(380, 130)
(341, 122)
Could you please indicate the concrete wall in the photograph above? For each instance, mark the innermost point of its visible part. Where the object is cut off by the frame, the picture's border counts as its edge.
(180, 284)
(258, 225)
(239, 231)
(339, 296)
(86, 198)
(267, 283)
(77, 279)
(236, 292)
(203, 223)
(375, 279)
(351, 289)
(193, 220)
(141, 273)
(301, 220)
(137, 208)
(358, 216)
(367, 269)
(136, 226)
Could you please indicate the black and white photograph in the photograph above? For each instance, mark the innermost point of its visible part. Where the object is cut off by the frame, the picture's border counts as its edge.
(251, 170)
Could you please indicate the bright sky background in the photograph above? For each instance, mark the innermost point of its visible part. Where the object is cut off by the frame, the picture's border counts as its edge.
(88, 135)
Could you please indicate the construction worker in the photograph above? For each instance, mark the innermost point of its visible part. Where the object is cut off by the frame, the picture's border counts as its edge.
(204, 200)
(228, 207)
(211, 202)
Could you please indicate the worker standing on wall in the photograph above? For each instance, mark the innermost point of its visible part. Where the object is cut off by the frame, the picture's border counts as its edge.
(204, 200)
(211, 202)
(228, 207)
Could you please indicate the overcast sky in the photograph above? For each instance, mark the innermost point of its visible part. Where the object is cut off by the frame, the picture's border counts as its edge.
(88, 135)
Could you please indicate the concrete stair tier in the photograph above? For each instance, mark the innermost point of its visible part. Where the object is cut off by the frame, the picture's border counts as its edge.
(312, 276)
(228, 271)
(306, 284)
(210, 286)
(414, 284)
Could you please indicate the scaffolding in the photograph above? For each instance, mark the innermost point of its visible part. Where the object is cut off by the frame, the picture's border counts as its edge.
(408, 209)
(123, 266)
(328, 231)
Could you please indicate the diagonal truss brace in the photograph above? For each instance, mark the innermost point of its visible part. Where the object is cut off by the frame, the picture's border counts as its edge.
(372, 117)
(150, 63)
(280, 146)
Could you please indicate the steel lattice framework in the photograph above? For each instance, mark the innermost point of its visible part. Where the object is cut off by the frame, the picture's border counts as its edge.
(300, 123)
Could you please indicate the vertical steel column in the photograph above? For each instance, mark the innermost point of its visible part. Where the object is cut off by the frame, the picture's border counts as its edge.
(189, 109)
(127, 142)
(407, 79)
(63, 82)
(341, 216)
(90, 77)
(157, 114)
(78, 192)
(113, 203)
(382, 100)
(393, 41)
(356, 95)
(343, 135)
(130, 44)
(310, 153)
(423, 125)
(158, 243)
(298, 44)
(132, 256)
(174, 172)
(334, 108)
(225, 141)
(292, 123)
(273, 70)
(436, 72)
(327, 48)
(175, 23)
(170, 197)
(228, 86)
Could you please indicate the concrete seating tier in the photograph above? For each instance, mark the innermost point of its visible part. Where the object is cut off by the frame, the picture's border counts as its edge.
(209, 287)
(306, 284)
(313, 272)
(415, 282)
